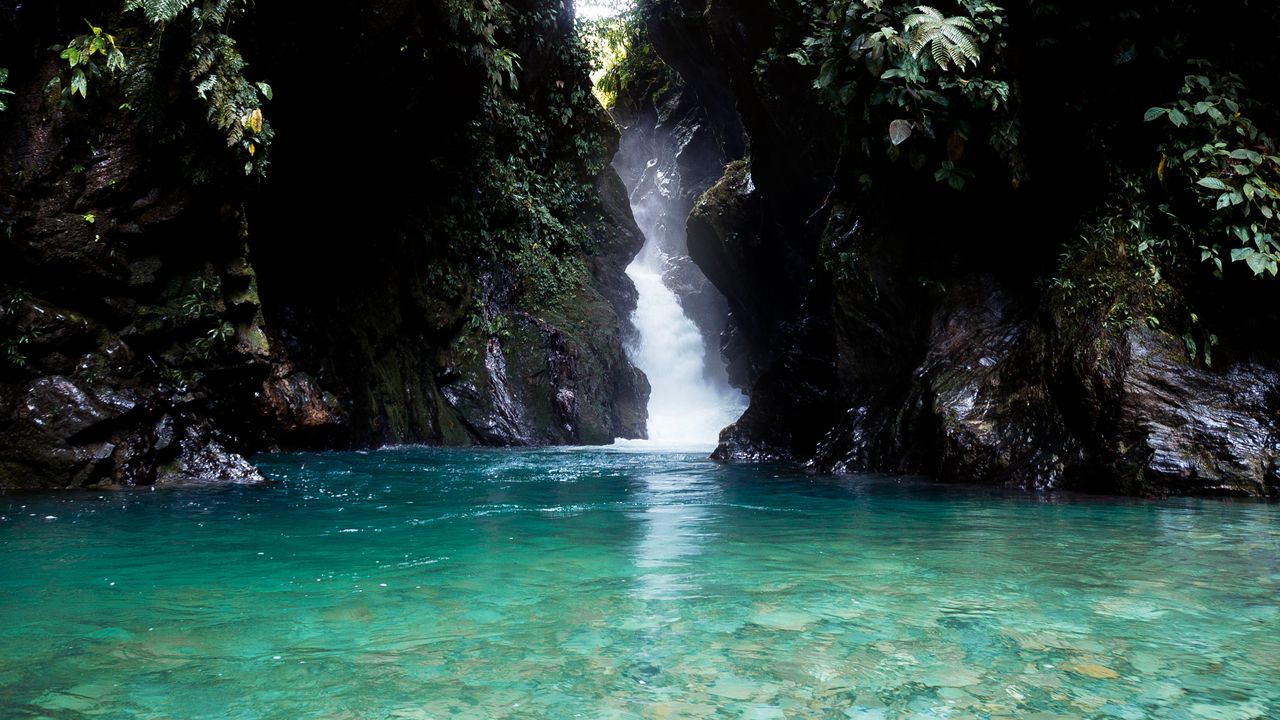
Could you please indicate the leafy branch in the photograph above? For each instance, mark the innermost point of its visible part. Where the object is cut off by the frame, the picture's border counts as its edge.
(233, 104)
(1230, 166)
(901, 75)
(82, 56)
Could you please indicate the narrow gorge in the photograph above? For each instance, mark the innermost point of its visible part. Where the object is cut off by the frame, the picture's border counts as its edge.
(443, 254)
(639, 359)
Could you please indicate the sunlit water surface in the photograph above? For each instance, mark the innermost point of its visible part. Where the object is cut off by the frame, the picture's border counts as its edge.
(630, 584)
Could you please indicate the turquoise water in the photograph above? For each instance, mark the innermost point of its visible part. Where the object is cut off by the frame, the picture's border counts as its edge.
(622, 584)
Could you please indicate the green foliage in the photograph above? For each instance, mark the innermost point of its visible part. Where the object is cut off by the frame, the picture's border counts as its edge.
(91, 56)
(529, 200)
(549, 279)
(14, 334)
(953, 39)
(159, 11)
(202, 301)
(233, 103)
(624, 62)
(478, 26)
(180, 379)
(217, 338)
(197, 31)
(1128, 267)
(909, 83)
(1113, 274)
(4, 78)
(486, 324)
(1230, 167)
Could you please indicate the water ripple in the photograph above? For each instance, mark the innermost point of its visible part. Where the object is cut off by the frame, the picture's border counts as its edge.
(630, 583)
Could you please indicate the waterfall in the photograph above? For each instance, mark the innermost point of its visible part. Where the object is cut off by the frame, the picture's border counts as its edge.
(687, 406)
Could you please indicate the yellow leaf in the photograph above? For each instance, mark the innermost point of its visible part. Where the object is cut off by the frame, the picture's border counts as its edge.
(1164, 159)
(255, 120)
(252, 149)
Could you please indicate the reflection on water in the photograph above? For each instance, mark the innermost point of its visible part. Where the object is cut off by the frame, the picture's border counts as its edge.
(618, 583)
(672, 532)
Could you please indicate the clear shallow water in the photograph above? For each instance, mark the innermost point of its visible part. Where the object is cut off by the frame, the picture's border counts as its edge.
(625, 584)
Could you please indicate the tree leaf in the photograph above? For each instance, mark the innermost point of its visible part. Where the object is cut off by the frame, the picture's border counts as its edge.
(1177, 118)
(79, 84)
(826, 75)
(1246, 154)
(1257, 262)
(1212, 183)
(899, 131)
(1155, 113)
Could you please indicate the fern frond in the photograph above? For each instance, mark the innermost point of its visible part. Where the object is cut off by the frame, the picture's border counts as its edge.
(925, 15)
(940, 55)
(951, 40)
(159, 11)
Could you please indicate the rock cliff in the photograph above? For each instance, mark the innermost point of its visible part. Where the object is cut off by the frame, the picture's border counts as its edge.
(164, 316)
(928, 333)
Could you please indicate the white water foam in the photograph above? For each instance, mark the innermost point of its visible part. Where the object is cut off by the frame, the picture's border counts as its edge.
(686, 410)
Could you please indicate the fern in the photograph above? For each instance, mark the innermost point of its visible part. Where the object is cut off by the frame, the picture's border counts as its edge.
(216, 69)
(159, 11)
(952, 40)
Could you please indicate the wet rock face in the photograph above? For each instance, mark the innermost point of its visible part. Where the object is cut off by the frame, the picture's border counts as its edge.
(748, 232)
(794, 403)
(1195, 430)
(995, 397)
(734, 238)
(1010, 409)
(130, 328)
(546, 378)
(305, 414)
(60, 433)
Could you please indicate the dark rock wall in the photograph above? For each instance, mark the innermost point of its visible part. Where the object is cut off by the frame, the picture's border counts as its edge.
(880, 336)
(160, 328)
(376, 319)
